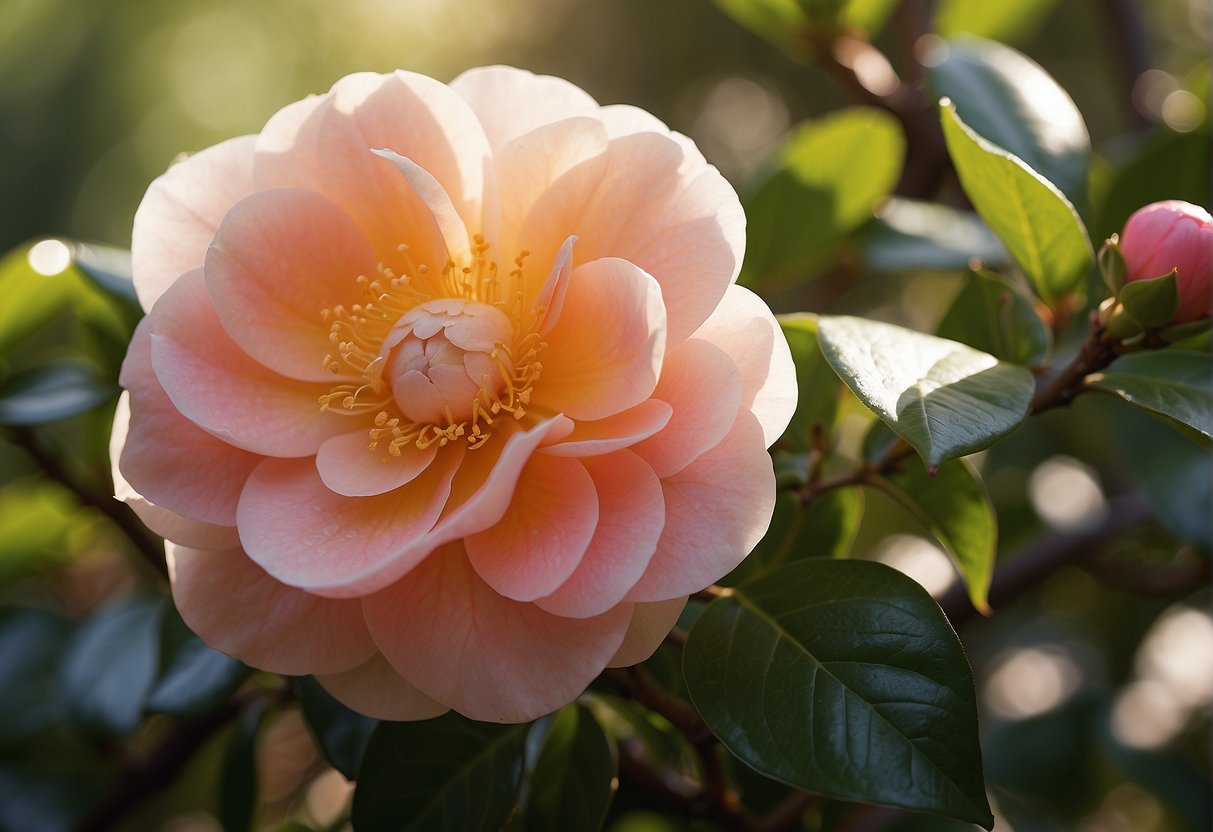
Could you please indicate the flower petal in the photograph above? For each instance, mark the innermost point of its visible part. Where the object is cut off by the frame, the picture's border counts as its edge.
(545, 532)
(218, 387)
(650, 624)
(450, 224)
(376, 690)
(631, 512)
(624, 429)
(744, 327)
(604, 354)
(279, 259)
(181, 210)
(351, 469)
(449, 634)
(238, 609)
(510, 102)
(716, 511)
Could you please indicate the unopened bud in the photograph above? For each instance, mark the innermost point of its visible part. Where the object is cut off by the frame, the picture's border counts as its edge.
(1173, 236)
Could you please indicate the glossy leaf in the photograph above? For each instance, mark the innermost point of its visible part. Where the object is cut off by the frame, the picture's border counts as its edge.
(909, 235)
(842, 677)
(31, 299)
(1035, 221)
(819, 390)
(197, 679)
(944, 398)
(52, 392)
(1173, 383)
(1005, 20)
(109, 269)
(1152, 302)
(575, 776)
(238, 781)
(829, 176)
(991, 314)
(31, 642)
(443, 774)
(342, 734)
(109, 667)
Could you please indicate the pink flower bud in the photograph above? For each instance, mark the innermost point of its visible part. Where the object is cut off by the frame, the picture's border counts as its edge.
(1173, 235)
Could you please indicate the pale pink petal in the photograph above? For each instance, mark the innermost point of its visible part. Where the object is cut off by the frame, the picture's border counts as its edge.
(716, 511)
(280, 258)
(374, 689)
(350, 468)
(624, 120)
(218, 387)
(177, 218)
(701, 383)
(631, 512)
(341, 547)
(556, 287)
(545, 531)
(238, 609)
(168, 444)
(604, 354)
(449, 634)
(624, 429)
(430, 190)
(510, 102)
(651, 623)
(744, 327)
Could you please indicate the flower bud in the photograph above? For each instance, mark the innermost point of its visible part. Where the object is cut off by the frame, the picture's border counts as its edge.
(1173, 235)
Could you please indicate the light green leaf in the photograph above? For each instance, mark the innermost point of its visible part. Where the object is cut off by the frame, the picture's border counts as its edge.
(53, 392)
(32, 299)
(829, 176)
(909, 235)
(993, 315)
(819, 390)
(1034, 220)
(1152, 302)
(575, 775)
(842, 677)
(1006, 20)
(1174, 383)
(944, 398)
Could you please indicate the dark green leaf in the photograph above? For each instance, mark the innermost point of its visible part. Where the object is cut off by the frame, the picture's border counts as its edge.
(826, 529)
(817, 384)
(842, 677)
(1005, 20)
(944, 398)
(341, 733)
(830, 174)
(574, 777)
(31, 642)
(1152, 302)
(954, 507)
(448, 773)
(1168, 166)
(52, 392)
(109, 666)
(909, 235)
(991, 314)
(238, 777)
(44, 801)
(1035, 221)
(196, 680)
(1172, 383)
(1007, 99)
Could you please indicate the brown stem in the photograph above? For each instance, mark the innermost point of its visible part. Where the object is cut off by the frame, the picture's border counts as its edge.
(1096, 353)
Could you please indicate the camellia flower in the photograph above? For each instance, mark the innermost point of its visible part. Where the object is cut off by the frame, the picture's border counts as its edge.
(1173, 235)
(445, 394)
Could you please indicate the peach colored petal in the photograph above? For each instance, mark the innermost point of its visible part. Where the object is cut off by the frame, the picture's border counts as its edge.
(305, 535)
(509, 102)
(631, 512)
(169, 444)
(744, 327)
(348, 467)
(702, 385)
(650, 624)
(539, 542)
(624, 120)
(279, 259)
(177, 218)
(624, 429)
(218, 387)
(556, 288)
(238, 609)
(604, 354)
(430, 191)
(716, 511)
(378, 691)
(449, 634)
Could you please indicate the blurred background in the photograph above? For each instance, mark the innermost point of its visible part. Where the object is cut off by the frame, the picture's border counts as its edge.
(1095, 688)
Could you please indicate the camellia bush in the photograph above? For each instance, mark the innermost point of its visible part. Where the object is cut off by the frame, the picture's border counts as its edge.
(458, 464)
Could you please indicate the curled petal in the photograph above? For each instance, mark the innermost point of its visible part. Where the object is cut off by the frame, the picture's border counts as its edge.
(624, 429)
(650, 624)
(349, 468)
(376, 690)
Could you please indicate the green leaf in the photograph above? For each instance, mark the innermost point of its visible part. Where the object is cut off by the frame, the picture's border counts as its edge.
(45, 799)
(1035, 221)
(31, 642)
(31, 299)
(53, 392)
(944, 398)
(1152, 302)
(197, 679)
(1005, 20)
(842, 677)
(954, 507)
(238, 776)
(1168, 166)
(782, 22)
(817, 384)
(825, 529)
(1173, 383)
(109, 269)
(829, 176)
(37, 518)
(991, 314)
(1112, 266)
(108, 668)
(443, 774)
(909, 235)
(1007, 99)
(868, 16)
(575, 775)
(342, 734)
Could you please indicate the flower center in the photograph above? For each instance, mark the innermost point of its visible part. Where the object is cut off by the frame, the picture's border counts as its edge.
(440, 356)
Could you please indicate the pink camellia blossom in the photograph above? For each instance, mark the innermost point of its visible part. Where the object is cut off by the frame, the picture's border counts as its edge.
(1173, 235)
(446, 394)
